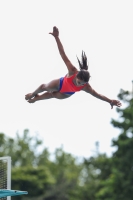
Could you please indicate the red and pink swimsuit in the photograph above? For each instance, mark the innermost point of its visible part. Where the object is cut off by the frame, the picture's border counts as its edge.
(67, 86)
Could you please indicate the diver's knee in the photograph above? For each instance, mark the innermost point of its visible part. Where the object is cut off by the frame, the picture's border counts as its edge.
(43, 87)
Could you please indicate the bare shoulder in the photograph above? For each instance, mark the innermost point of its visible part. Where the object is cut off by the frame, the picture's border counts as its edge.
(72, 71)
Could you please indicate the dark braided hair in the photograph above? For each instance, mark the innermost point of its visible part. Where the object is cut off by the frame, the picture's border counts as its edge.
(83, 74)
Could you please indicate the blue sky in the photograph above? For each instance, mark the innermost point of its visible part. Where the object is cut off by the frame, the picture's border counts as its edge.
(29, 57)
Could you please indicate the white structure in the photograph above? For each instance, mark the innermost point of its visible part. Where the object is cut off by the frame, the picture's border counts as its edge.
(5, 174)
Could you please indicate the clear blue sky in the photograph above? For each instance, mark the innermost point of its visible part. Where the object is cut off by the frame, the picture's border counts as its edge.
(29, 57)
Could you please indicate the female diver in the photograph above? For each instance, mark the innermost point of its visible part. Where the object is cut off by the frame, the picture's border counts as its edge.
(74, 81)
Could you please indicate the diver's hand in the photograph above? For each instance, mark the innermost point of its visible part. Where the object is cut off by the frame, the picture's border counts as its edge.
(115, 103)
(55, 32)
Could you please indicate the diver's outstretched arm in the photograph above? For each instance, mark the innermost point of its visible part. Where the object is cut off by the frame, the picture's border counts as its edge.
(112, 102)
(70, 67)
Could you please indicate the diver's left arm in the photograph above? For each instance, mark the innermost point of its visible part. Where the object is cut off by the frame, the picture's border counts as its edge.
(112, 102)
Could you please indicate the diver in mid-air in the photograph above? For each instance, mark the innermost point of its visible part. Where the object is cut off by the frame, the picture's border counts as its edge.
(74, 81)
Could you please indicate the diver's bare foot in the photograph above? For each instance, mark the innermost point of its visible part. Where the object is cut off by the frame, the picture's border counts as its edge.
(28, 96)
(33, 100)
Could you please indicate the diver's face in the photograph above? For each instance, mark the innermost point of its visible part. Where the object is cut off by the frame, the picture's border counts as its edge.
(79, 82)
